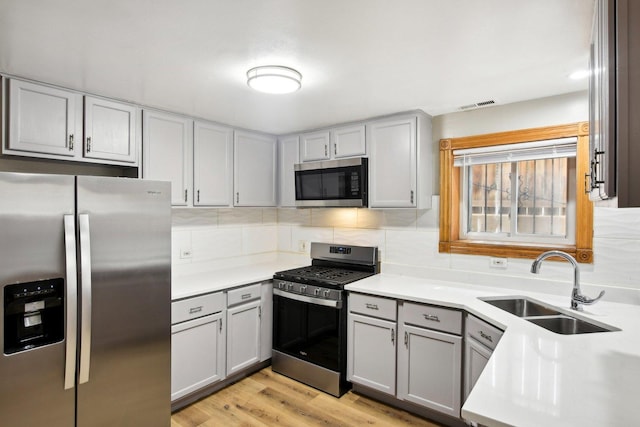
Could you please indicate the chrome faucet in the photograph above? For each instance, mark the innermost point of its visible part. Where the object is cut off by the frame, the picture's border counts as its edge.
(577, 299)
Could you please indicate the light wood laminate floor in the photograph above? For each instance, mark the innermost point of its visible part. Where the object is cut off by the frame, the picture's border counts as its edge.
(270, 399)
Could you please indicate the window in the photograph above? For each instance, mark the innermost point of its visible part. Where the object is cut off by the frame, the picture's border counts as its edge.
(516, 194)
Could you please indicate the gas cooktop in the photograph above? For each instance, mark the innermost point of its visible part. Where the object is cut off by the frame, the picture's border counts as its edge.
(321, 275)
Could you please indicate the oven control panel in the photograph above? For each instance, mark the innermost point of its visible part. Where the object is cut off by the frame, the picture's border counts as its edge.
(308, 290)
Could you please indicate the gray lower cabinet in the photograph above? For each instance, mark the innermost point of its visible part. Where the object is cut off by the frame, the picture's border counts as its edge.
(430, 357)
(371, 342)
(243, 327)
(480, 341)
(197, 343)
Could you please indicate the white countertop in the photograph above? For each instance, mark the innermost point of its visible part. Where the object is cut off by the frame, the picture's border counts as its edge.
(536, 377)
(192, 284)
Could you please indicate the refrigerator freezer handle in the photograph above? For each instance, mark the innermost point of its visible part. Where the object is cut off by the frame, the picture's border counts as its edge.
(85, 280)
(72, 301)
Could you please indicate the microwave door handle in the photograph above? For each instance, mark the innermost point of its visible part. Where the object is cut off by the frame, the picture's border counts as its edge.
(85, 277)
(72, 301)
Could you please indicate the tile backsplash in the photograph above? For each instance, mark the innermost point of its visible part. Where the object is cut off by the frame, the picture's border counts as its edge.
(408, 243)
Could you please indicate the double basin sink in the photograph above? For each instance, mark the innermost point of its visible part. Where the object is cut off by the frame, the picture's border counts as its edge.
(546, 316)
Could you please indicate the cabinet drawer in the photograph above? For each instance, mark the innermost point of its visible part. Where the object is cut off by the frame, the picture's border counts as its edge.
(382, 308)
(482, 331)
(243, 294)
(192, 308)
(432, 317)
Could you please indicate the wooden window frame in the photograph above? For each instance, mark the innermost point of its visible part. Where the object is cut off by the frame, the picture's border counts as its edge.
(450, 195)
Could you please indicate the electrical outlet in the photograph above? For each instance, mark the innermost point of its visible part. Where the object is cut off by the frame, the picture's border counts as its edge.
(185, 253)
(302, 245)
(498, 263)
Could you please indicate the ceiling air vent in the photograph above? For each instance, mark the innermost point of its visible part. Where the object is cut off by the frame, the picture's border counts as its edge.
(478, 105)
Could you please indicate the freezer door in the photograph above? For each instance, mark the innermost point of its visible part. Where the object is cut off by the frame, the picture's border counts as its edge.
(125, 293)
(32, 249)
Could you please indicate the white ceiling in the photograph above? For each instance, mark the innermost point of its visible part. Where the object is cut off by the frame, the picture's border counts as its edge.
(358, 58)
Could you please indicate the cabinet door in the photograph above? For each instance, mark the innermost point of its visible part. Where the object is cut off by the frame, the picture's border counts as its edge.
(44, 120)
(315, 146)
(392, 163)
(266, 321)
(243, 336)
(167, 145)
(348, 142)
(254, 169)
(212, 164)
(110, 130)
(289, 155)
(197, 354)
(371, 349)
(476, 357)
(429, 369)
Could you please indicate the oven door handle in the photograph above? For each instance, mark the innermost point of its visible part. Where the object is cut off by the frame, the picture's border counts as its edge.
(311, 300)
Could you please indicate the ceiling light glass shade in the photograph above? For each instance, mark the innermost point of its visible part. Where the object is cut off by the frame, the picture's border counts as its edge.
(274, 79)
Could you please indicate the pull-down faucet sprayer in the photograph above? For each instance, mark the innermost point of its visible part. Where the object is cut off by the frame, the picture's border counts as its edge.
(577, 299)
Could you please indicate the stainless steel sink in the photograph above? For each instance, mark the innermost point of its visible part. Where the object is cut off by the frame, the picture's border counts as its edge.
(548, 317)
(522, 307)
(568, 325)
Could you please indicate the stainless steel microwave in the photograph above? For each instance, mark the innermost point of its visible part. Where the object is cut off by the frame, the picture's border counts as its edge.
(332, 183)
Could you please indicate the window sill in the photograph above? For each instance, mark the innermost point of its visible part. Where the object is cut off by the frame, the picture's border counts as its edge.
(512, 250)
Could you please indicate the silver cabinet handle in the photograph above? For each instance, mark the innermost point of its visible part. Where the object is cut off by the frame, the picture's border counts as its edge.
(393, 336)
(411, 196)
(259, 312)
(431, 317)
(71, 142)
(245, 296)
(72, 301)
(185, 195)
(326, 152)
(85, 279)
(88, 144)
(406, 339)
(485, 336)
(237, 197)
(194, 310)
(335, 149)
(371, 306)
(221, 325)
(198, 196)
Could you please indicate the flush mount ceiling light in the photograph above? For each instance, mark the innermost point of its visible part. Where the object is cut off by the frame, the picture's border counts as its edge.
(274, 79)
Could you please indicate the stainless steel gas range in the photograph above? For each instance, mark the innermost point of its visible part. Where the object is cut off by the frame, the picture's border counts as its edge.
(310, 315)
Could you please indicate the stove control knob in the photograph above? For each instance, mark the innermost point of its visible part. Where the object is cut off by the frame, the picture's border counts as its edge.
(281, 285)
(290, 286)
(316, 291)
(303, 289)
(327, 292)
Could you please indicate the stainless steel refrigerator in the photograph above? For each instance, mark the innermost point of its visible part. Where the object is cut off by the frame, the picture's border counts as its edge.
(85, 272)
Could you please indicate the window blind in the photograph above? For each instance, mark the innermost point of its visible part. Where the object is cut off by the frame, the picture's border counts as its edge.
(546, 149)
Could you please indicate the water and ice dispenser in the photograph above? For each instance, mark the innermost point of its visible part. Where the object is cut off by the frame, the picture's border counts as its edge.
(33, 314)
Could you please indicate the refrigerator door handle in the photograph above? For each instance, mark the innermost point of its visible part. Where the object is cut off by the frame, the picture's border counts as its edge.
(85, 279)
(72, 301)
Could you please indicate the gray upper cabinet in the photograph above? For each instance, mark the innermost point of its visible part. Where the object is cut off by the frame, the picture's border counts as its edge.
(254, 169)
(212, 164)
(315, 146)
(335, 143)
(288, 156)
(43, 120)
(110, 130)
(47, 122)
(348, 141)
(168, 141)
(400, 162)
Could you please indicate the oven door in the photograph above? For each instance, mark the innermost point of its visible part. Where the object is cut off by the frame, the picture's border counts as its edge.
(309, 329)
